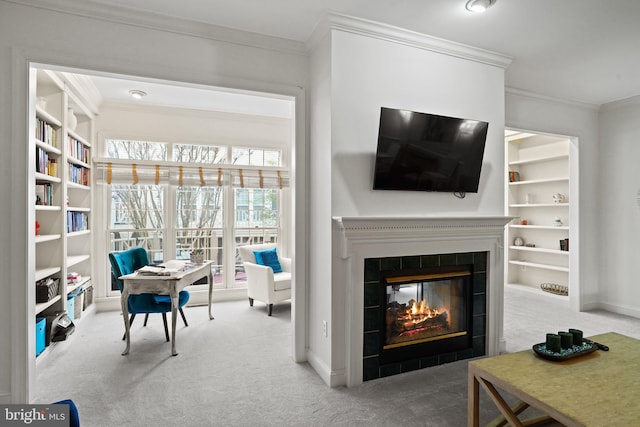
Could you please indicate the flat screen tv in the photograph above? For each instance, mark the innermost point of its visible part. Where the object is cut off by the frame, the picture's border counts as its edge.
(427, 152)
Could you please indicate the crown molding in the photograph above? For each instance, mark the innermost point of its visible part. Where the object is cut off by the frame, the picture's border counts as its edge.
(160, 22)
(546, 98)
(632, 101)
(350, 24)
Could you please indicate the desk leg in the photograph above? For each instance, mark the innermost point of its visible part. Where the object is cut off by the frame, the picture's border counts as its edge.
(124, 299)
(210, 276)
(473, 399)
(174, 314)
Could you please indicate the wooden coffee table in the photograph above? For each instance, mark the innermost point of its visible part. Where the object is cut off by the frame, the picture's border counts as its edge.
(597, 389)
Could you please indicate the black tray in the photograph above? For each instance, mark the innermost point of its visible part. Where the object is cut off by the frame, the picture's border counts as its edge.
(587, 347)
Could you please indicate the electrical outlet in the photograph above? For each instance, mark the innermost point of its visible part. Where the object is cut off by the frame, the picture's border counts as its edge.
(324, 328)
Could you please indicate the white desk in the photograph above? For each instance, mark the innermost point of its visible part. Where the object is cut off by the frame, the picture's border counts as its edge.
(171, 285)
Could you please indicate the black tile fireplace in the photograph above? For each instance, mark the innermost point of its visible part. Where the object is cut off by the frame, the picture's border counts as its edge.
(422, 311)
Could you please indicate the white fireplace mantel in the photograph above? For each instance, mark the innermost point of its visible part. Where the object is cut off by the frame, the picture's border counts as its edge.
(359, 238)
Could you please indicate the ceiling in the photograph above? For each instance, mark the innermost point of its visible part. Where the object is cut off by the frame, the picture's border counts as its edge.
(586, 51)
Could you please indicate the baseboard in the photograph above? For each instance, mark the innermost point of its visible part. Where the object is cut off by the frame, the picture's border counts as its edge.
(616, 308)
(331, 378)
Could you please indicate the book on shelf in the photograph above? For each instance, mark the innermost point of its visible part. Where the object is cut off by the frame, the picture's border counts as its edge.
(46, 133)
(77, 221)
(41, 194)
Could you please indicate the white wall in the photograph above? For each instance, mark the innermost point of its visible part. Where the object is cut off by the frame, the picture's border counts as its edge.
(192, 126)
(619, 206)
(183, 53)
(320, 177)
(367, 73)
(527, 112)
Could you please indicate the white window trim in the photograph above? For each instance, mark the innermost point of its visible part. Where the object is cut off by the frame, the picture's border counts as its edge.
(102, 192)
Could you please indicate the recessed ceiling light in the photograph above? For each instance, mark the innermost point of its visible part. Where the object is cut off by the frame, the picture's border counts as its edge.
(137, 94)
(479, 6)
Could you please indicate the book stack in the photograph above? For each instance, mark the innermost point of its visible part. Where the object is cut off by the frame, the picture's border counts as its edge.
(564, 244)
(157, 270)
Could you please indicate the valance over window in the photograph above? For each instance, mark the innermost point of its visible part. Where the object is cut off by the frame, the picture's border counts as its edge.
(120, 171)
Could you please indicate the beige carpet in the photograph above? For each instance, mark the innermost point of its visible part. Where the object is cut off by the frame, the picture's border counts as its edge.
(236, 370)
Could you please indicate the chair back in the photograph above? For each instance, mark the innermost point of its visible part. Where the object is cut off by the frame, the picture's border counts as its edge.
(126, 262)
(246, 252)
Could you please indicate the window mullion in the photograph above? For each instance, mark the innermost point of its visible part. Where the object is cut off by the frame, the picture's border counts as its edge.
(170, 216)
(229, 245)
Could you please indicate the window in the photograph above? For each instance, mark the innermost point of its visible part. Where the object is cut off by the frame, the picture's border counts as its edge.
(255, 157)
(188, 153)
(186, 202)
(199, 224)
(138, 150)
(137, 219)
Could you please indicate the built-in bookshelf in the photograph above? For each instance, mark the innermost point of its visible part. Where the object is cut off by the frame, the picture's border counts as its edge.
(62, 202)
(537, 196)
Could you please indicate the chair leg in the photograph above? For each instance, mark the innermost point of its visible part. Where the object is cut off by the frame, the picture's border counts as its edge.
(146, 317)
(166, 328)
(250, 302)
(184, 319)
(133, 316)
(270, 309)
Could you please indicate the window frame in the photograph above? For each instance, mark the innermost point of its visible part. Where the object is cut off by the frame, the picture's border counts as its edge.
(169, 231)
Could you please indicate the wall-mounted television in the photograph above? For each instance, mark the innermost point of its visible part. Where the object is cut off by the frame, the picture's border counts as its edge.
(427, 152)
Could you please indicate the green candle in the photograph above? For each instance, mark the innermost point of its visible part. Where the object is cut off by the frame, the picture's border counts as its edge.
(566, 339)
(577, 336)
(553, 343)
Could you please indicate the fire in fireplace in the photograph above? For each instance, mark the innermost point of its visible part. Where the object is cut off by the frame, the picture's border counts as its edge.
(426, 312)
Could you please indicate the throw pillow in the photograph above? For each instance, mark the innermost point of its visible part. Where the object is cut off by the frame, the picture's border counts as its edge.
(269, 258)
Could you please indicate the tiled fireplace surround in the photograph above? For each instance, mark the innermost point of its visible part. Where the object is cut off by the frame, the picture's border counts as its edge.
(365, 241)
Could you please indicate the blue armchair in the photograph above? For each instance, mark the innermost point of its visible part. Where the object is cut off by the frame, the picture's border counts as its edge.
(127, 262)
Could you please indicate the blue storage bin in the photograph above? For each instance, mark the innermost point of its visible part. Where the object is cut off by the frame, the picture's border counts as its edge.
(71, 299)
(41, 326)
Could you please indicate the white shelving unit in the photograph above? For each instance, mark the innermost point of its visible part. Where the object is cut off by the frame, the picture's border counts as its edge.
(538, 168)
(63, 202)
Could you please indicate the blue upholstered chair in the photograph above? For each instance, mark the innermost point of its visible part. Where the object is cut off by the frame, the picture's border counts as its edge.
(127, 262)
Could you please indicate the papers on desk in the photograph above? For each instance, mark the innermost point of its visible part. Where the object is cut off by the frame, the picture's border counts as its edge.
(158, 270)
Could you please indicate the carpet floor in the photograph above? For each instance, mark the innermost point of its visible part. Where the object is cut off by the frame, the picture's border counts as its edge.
(237, 370)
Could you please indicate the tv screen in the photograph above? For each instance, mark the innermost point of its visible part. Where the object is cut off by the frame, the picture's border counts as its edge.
(427, 152)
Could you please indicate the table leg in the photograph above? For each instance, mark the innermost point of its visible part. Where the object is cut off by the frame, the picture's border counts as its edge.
(500, 403)
(124, 299)
(473, 400)
(210, 277)
(174, 315)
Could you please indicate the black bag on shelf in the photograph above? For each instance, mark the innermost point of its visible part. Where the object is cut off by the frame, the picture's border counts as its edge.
(59, 327)
(46, 289)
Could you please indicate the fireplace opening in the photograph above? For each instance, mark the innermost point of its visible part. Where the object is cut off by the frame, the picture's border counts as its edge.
(426, 312)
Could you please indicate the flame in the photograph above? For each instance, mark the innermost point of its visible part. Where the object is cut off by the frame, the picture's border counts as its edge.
(418, 313)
